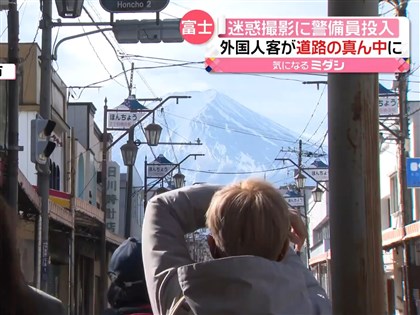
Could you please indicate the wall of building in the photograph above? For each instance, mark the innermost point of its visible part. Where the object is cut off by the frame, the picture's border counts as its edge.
(414, 108)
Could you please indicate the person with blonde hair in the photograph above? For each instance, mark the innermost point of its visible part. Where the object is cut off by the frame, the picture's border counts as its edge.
(254, 270)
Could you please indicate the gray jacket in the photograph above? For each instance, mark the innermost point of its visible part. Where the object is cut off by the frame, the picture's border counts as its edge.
(44, 304)
(239, 285)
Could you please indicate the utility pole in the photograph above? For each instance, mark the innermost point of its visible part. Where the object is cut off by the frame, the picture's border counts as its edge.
(73, 215)
(405, 198)
(103, 283)
(45, 112)
(353, 131)
(129, 187)
(300, 153)
(303, 194)
(13, 108)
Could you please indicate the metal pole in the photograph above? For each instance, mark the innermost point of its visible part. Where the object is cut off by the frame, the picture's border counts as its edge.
(353, 130)
(13, 108)
(129, 199)
(73, 215)
(37, 251)
(45, 112)
(103, 284)
(405, 198)
(303, 194)
(305, 209)
(145, 185)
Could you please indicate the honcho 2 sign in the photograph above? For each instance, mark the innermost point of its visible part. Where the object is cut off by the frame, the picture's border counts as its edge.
(130, 6)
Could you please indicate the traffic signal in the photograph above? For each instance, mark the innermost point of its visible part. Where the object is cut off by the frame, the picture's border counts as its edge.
(41, 146)
(147, 31)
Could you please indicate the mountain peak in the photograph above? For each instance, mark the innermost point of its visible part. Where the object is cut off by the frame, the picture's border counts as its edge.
(237, 141)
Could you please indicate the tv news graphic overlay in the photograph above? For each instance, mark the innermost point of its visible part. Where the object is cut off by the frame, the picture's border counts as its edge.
(324, 45)
(197, 27)
(7, 71)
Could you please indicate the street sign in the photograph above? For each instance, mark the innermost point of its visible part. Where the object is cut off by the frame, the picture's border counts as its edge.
(413, 172)
(131, 6)
(388, 105)
(295, 201)
(156, 170)
(319, 174)
(120, 119)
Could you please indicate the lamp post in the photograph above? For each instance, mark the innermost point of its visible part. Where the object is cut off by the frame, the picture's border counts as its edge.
(129, 154)
(316, 193)
(179, 178)
(69, 8)
(300, 180)
(303, 171)
(105, 148)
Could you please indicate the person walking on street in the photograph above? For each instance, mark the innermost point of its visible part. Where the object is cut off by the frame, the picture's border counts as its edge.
(127, 294)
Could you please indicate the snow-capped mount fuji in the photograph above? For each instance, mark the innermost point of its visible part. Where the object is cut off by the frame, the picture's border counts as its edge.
(234, 139)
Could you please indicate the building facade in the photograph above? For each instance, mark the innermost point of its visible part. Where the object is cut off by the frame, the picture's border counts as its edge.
(75, 191)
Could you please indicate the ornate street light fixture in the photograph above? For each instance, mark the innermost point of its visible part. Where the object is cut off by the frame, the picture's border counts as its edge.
(69, 8)
(179, 179)
(300, 180)
(129, 153)
(317, 194)
(152, 133)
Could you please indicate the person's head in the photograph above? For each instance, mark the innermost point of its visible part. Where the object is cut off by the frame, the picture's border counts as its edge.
(128, 287)
(248, 218)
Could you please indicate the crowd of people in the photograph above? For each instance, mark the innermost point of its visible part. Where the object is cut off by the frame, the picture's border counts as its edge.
(254, 269)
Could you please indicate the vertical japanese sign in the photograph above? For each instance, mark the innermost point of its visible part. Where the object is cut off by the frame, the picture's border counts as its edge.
(112, 197)
(327, 45)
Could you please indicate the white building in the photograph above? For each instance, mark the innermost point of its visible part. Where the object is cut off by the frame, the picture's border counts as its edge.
(394, 233)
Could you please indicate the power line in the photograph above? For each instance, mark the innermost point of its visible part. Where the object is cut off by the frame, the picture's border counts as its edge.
(236, 173)
(319, 126)
(314, 111)
(112, 46)
(233, 130)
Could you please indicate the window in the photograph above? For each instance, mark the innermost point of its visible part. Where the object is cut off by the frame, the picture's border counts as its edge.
(321, 233)
(394, 195)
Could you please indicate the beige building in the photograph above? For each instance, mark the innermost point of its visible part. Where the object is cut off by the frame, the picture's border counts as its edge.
(79, 194)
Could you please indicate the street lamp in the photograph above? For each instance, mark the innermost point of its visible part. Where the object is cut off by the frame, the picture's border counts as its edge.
(69, 8)
(317, 194)
(179, 179)
(152, 133)
(129, 153)
(300, 180)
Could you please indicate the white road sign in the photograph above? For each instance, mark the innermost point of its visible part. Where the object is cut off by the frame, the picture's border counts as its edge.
(319, 174)
(123, 119)
(295, 201)
(388, 105)
(158, 170)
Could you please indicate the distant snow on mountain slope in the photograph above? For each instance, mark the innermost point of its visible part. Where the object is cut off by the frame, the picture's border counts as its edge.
(237, 141)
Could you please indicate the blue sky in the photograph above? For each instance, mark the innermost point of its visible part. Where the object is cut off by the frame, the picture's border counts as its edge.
(281, 97)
